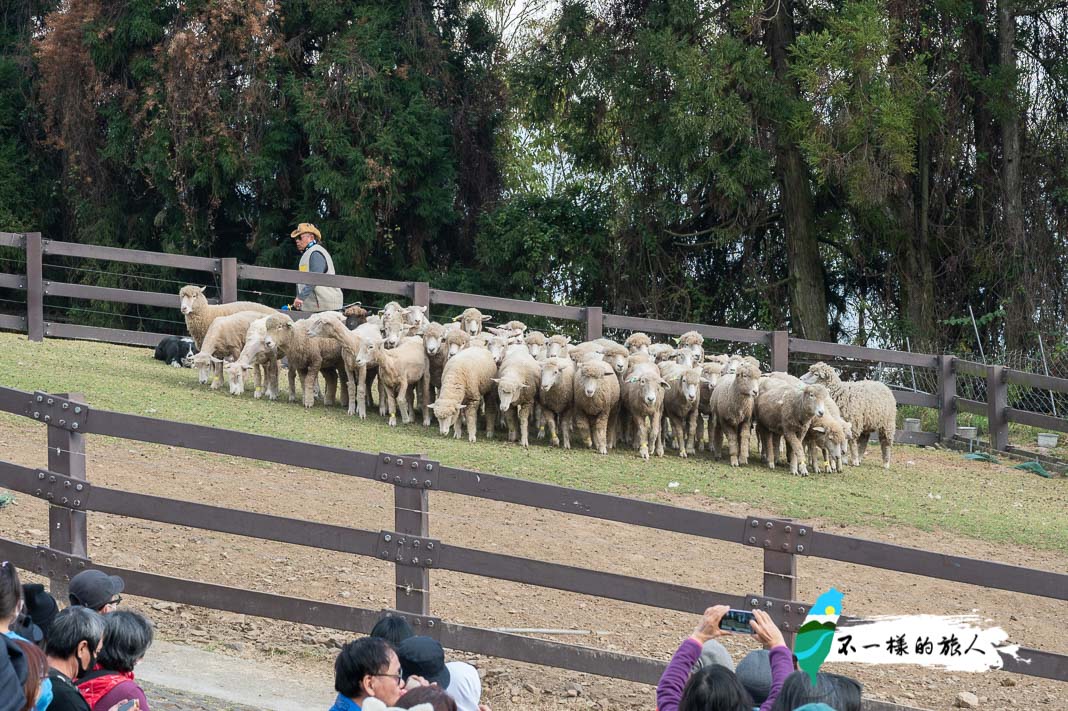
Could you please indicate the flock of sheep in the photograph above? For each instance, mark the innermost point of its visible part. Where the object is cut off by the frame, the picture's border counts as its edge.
(641, 393)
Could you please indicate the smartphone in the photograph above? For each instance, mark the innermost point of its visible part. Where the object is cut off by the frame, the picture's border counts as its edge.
(737, 621)
(127, 705)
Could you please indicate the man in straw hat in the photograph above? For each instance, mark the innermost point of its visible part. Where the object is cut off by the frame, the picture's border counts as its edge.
(316, 259)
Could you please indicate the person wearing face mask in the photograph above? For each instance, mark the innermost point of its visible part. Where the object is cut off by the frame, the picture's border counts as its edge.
(74, 641)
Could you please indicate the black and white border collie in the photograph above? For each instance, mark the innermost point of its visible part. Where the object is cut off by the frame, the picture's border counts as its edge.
(176, 351)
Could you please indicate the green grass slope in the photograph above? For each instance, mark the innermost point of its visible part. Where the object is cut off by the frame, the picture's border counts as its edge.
(925, 488)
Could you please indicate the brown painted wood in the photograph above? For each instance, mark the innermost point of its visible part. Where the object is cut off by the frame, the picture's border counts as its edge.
(12, 323)
(66, 528)
(947, 397)
(100, 293)
(515, 306)
(13, 281)
(1036, 419)
(677, 328)
(13, 239)
(878, 355)
(969, 367)
(1034, 380)
(292, 276)
(972, 406)
(35, 326)
(132, 256)
(905, 397)
(107, 335)
(997, 396)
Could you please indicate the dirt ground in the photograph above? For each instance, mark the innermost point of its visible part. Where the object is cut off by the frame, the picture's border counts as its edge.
(274, 567)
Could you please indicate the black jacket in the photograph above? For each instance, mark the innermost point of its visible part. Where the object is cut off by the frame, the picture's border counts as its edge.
(13, 670)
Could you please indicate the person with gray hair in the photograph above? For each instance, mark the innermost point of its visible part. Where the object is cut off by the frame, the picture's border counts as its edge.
(127, 636)
(74, 642)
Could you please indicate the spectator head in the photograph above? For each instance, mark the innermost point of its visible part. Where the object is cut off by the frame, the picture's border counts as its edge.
(754, 671)
(465, 686)
(40, 608)
(10, 595)
(837, 691)
(715, 688)
(424, 656)
(75, 639)
(368, 667)
(392, 628)
(712, 652)
(37, 675)
(96, 590)
(127, 636)
(435, 696)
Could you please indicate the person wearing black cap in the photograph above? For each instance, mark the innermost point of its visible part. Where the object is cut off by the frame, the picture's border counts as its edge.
(424, 657)
(96, 590)
(38, 610)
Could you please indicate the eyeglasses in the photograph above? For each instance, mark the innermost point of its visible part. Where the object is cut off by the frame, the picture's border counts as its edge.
(399, 678)
(113, 603)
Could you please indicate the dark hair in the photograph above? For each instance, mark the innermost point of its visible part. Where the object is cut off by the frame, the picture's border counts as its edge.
(837, 691)
(715, 688)
(127, 636)
(10, 590)
(70, 628)
(36, 672)
(392, 628)
(369, 655)
(433, 695)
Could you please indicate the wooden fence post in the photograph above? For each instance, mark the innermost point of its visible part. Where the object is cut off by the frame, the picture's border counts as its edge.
(411, 516)
(66, 528)
(780, 581)
(947, 397)
(227, 280)
(780, 351)
(997, 396)
(594, 322)
(35, 328)
(421, 294)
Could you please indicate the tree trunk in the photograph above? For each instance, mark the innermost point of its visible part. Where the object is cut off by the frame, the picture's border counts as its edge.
(808, 297)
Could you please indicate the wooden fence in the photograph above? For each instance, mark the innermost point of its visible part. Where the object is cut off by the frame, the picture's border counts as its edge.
(591, 319)
(415, 553)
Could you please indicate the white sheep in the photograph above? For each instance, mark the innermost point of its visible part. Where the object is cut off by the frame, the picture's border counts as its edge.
(556, 397)
(329, 324)
(557, 345)
(692, 342)
(223, 341)
(828, 437)
(199, 313)
(517, 388)
(307, 356)
(596, 391)
(661, 352)
(257, 357)
(710, 374)
(681, 404)
(732, 412)
(643, 403)
(465, 383)
(867, 405)
(437, 352)
(638, 342)
(471, 321)
(456, 340)
(399, 368)
(536, 342)
(786, 410)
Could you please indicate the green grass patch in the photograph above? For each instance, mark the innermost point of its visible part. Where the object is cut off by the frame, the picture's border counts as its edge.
(925, 488)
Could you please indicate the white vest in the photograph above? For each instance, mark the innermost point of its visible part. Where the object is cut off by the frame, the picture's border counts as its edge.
(323, 298)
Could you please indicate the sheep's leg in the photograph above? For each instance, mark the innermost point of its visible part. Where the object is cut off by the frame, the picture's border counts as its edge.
(656, 437)
(566, 422)
(391, 404)
(642, 441)
(692, 433)
(311, 379)
(715, 436)
(743, 444)
(767, 446)
(539, 420)
(796, 454)
(472, 421)
(292, 372)
(426, 399)
(613, 429)
(549, 423)
(353, 389)
(217, 375)
(524, 424)
(492, 411)
(272, 379)
(600, 433)
(511, 420)
(885, 443)
(329, 394)
(732, 444)
(405, 408)
(383, 397)
(343, 382)
(361, 393)
(862, 445)
(678, 435)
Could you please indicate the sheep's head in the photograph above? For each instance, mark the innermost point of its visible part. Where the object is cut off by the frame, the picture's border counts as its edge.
(710, 373)
(322, 324)
(507, 390)
(235, 373)
(456, 340)
(204, 363)
(551, 372)
(591, 376)
(638, 343)
(278, 331)
(433, 338)
(821, 374)
(192, 298)
(354, 316)
(497, 348)
(690, 384)
(747, 380)
(366, 355)
(471, 320)
(812, 400)
(395, 328)
(536, 344)
(447, 414)
(556, 345)
(415, 315)
(650, 385)
(515, 326)
(683, 356)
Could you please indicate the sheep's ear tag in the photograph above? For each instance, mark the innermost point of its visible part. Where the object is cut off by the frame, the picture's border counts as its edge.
(632, 379)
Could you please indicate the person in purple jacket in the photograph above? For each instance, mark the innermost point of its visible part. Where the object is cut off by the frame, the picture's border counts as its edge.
(715, 687)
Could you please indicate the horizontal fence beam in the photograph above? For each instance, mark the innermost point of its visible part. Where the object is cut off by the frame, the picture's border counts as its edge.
(925, 439)
(101, 293)
(973, 406)
(13, 323)
(906, 397)
(515, 306)
(13, 239)
(879, 355)
(1036, 419)
(677, 328)
(98, 333)
(13, 281)
(341, 281)
(1034, 380)
(969, 367)
(132, 256)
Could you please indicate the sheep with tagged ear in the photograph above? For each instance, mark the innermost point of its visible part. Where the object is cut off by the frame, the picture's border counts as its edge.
(556, 397)
(257, 357)
(638, 343)
(517, 390)
(308, 356)
(466, 382)
(867, 405)
(643, 404)
(223, 341)
(536, 343)
(732, 405)
(681, 404)
(199, 313)
(471, 321)
(596, 399)
(329, 324)
(787, 410)
(557, 346)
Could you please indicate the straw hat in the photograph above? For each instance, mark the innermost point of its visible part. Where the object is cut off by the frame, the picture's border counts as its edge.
(306, 227)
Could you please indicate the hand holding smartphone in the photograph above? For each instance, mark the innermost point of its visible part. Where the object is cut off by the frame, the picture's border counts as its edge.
(737, 621)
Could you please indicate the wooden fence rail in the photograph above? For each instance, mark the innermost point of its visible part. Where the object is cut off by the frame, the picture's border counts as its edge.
(997, 408)
(414, 553)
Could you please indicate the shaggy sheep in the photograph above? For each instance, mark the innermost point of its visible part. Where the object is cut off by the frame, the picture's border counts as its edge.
(517, 389)
(661, 352)
(720, 358)
(596, 391)
(828, 437)
(583, 351)
(399, 368)
(557, 345)
(681, 404)
(471, 321)
(307, 356)
(692, 342)
(786, 410)
(643, 401)
(437, 352)
(456, 340)
(868, 406)
(465, 383)
(710, 375)
(199, 313)
(536, 342)
(614, 354)
(638, 342)
(732, 412)
(328, 324)
(223, 341)
(257, 357)
(735, 360)
(556, 397)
